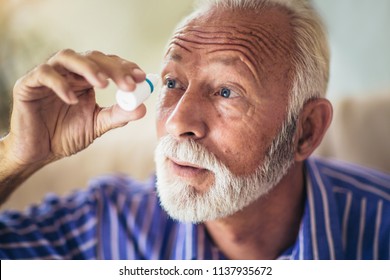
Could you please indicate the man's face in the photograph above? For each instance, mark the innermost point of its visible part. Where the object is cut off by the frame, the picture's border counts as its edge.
(226, 81)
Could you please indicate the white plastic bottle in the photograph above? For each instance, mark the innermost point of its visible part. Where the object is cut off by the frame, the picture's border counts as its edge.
(130, 100)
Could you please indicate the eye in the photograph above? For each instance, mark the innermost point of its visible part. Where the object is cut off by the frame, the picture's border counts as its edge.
(225, 92)
(170, 83)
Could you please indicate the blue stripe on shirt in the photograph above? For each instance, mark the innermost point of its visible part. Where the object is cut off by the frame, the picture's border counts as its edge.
(346, 216)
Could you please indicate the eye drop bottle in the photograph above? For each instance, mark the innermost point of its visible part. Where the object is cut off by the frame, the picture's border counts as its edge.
(130, 100)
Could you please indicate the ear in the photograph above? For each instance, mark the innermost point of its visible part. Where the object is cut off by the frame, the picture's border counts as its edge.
(313, 122)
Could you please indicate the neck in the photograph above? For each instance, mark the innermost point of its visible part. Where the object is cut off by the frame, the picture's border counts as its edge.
(268, 226)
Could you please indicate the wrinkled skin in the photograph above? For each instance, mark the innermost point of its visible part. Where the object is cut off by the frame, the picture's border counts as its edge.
(250, 55)
(227, 77)
(227, 50)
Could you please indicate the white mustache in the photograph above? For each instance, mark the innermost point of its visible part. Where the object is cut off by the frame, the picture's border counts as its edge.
(191, 152)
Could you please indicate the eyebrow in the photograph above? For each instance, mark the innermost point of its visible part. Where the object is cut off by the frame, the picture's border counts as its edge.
(175, 57)
(220, 59)
(225, 60)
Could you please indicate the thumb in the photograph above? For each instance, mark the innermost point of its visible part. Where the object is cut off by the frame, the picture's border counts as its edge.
(113, 117)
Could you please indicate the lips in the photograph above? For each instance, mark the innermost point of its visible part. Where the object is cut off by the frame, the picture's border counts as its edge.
(185, 169)
(185, 164)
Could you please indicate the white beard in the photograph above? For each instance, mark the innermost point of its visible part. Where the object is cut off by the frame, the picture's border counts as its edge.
(229, 193)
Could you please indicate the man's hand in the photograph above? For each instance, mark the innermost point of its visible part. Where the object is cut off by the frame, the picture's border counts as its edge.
(54, 108)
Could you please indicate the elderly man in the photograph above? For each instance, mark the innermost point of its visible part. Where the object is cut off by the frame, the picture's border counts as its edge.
(241, 110)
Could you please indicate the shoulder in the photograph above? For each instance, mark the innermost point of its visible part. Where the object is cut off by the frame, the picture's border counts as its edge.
(358, 203)
(61, 225)
(101, 190)
(122, 185)
(342, 176)
(123, 195)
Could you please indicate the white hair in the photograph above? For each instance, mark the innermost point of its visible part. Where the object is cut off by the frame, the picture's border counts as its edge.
(228, 193)
(310, 58)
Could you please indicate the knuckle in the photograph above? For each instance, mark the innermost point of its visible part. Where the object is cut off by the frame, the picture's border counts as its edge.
(43, 69)
(61, 54)
(93, 53)
(114, 56)
(64, 53)
(128, 65)
(122, 63)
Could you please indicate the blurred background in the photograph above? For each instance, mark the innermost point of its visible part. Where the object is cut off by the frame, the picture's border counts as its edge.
(32, 30)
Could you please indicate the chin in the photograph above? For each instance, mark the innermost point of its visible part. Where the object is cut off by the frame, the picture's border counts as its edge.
(226, 194)
(224, 197)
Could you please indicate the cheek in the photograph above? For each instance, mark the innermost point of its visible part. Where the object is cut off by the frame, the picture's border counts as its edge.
(160, 125)
(240, 145)
(165, 106)
(233, 110)
(162, 114)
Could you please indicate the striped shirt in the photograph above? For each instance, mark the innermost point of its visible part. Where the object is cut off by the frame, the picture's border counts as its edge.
(346, 216)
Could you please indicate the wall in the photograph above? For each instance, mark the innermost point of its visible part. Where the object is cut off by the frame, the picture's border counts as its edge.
(360, 45)
(138, 30)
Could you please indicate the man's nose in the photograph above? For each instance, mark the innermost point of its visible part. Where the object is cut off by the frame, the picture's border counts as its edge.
(187, 120)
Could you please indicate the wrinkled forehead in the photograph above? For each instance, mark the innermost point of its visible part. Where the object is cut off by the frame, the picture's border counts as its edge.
(263, 38)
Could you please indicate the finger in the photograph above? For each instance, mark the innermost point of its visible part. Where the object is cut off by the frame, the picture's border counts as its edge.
(113, 117)
(80, 65)
(124, 73)
(45, 76)
(138, 74)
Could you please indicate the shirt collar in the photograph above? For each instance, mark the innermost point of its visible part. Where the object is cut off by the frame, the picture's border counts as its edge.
(320, 234)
